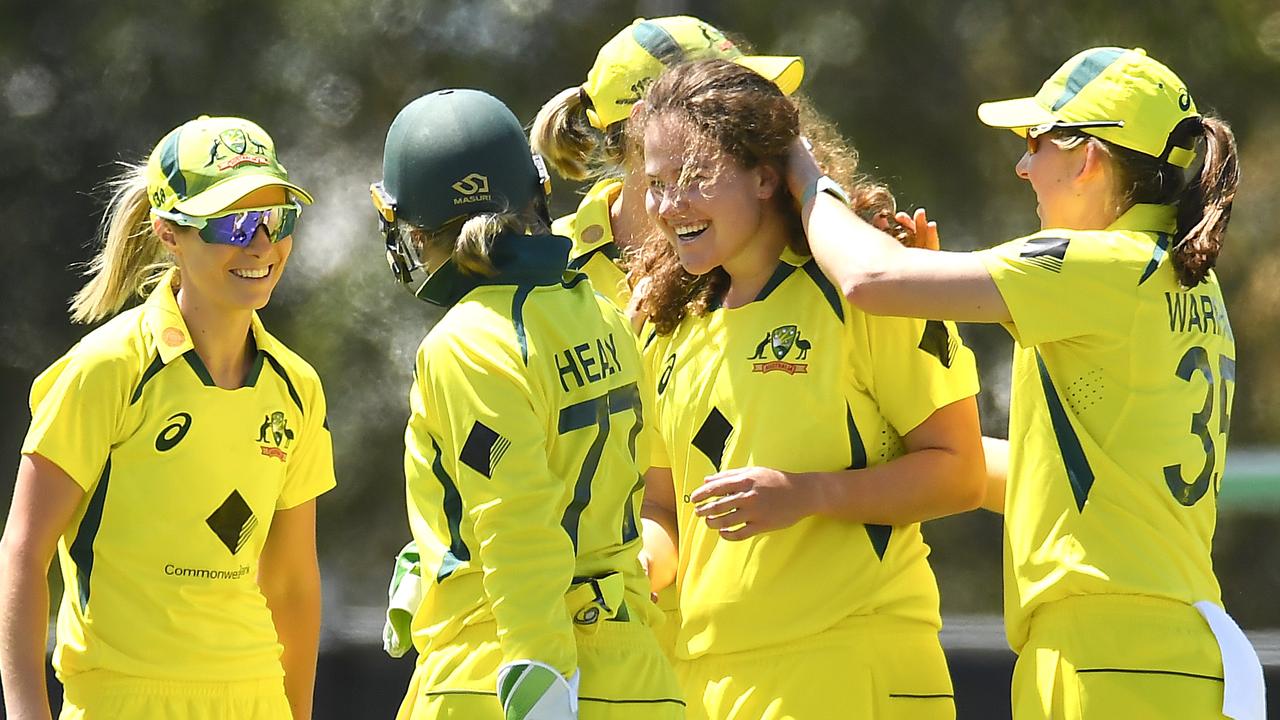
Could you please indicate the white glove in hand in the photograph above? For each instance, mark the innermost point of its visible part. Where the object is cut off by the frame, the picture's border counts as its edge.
(530, 690)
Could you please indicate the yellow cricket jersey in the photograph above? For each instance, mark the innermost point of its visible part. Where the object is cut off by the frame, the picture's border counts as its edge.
(525, 423)
(1121, 400)
(594, 252)
(181, 481)
(798, 381)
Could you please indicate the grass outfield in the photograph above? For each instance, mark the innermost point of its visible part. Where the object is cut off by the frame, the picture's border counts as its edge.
(1252, 481)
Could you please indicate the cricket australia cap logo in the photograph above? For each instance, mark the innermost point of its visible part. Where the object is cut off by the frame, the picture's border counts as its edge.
(780, 342)
(233, 147)
(472, 188)
(233, 522)
(275, 436)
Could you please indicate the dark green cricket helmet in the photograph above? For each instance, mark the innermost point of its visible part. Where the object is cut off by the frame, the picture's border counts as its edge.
(453, 154)
(456, 153)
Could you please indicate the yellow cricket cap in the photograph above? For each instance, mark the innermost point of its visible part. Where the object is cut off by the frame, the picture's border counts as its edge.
(635, 57)
(1119, 95)
(205, 165)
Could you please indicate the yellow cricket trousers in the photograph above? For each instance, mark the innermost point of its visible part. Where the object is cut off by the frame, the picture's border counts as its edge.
(866, 667)
(1130, 657)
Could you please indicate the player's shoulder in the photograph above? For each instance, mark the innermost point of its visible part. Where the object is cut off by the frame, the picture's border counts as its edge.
(475, 328)
(565, 225)
(300, 371)
(111, 357)
(120, 345)
(1058, 246)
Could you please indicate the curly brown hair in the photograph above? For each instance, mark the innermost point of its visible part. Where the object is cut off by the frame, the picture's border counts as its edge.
(731, 113)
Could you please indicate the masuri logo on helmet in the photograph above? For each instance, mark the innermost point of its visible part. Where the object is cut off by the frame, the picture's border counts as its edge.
(452, 154)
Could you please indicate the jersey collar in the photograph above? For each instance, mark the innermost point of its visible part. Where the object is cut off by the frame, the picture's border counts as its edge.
(169, 332)
(164, 320)
(1148, 218)
(592, 224)
(520, 260)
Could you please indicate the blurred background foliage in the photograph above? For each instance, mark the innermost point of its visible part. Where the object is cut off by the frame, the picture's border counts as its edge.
(85, 84)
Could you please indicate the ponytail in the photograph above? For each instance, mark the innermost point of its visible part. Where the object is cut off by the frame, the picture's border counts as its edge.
(570, 144)
(562, 135)
(469, 240)
(130, 257)
(1204, 204)
(1204, 208)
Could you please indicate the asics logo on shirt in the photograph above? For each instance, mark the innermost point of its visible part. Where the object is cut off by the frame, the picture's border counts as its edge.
(666, 373)
(780, 341)
(172, 434)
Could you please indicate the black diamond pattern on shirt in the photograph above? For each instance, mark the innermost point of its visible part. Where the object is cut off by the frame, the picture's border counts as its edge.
(233, 522)
(713, 436)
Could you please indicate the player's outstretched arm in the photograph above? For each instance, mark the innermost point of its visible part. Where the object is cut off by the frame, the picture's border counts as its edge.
(876, 273)
(660, 554)
(942, 473)
(289, 576)
(44, 500)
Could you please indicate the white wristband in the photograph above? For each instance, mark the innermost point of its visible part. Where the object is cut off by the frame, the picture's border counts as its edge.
(827, 185)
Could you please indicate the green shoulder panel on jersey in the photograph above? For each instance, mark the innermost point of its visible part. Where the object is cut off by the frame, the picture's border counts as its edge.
(288, 383)
(157, 364)
(1157, 255)
(829, 291)
(451, 503)
(197, 366)
(81, 549)
(517, 319)
(1079, 473)
(879, 535)
(780, 274)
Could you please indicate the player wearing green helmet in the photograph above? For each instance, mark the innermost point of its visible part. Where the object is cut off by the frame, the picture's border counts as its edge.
(521, 450)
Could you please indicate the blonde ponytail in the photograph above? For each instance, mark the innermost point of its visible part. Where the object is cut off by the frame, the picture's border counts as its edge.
(130, 257)
(474, 244)
(469, 241)
(564, 137)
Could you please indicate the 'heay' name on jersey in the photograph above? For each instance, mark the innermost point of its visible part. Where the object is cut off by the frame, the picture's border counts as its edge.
(588, 362)
(1189, 312)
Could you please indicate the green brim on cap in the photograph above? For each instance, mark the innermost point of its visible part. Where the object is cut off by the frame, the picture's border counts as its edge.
(226, 193)
(1016, 115)
(785, 72)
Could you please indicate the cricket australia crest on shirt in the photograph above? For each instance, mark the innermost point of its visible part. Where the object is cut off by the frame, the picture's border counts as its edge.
(780, 342)
(275, 436)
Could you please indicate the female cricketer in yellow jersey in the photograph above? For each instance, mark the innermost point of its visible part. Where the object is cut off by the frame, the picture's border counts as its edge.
(1124, 372)
(526, 422)
(580, 134)
(173, 459)
(804, 440)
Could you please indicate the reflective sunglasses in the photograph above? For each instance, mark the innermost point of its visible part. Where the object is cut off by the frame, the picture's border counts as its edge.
(239, 227)
(1035, 133)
